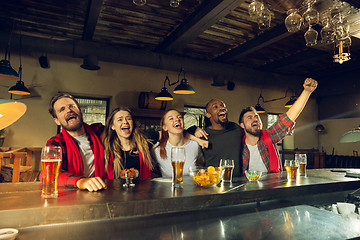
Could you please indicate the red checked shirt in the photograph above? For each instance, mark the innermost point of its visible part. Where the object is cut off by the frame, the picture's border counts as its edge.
(281, 128)
(65, 178)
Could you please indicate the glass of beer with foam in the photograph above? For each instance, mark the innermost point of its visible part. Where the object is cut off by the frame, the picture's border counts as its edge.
(291, 169)
(301, 161)
(177, 163)
(228, 166)
(51, 157)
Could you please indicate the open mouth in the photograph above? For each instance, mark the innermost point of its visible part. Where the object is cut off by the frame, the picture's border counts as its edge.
(71, 117)
(222, 115)
(125, 129)
(177, 125)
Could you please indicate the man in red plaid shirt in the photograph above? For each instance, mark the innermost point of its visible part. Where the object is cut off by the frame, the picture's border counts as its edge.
(82, 153)
(259, 147)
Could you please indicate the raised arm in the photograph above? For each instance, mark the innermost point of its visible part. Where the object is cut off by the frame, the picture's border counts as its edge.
(309, 86)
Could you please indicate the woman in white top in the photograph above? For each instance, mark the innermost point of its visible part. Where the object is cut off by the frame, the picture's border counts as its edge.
(173, 135)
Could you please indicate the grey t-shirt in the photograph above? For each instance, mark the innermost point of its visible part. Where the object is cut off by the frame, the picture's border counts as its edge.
(225, 144)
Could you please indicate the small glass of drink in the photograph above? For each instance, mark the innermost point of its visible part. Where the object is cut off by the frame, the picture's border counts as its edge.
(291, 169)
(51, 157)
(177, 163)
(228, 166)
(301, 161)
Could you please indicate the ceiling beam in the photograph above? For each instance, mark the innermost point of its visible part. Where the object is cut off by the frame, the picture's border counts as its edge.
(92, 18)
(207, 14)
(294, 60)
(269, 37)
(131, 56)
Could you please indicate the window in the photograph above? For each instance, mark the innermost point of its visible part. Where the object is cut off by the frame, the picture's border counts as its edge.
(94, 109)
(194, 116)
(271, 119)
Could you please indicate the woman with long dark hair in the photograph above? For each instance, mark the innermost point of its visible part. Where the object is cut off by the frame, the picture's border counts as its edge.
(173, 135)
(125, 146)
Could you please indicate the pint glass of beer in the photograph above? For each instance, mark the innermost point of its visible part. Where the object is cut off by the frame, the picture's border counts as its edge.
(291, 170)
(228, 166)
(177, 163)
(50, 164)
(301, 161)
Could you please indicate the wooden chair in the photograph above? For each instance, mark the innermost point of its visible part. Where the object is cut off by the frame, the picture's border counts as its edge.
(16, 166)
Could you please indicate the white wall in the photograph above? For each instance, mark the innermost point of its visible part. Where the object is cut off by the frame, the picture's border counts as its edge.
(124, 83)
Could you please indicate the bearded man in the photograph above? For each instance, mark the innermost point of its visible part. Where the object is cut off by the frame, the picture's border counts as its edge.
(83, 163)
(259, 147)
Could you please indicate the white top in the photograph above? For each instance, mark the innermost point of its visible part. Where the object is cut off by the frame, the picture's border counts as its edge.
(192, 153)
(256, 163)
(87, 155)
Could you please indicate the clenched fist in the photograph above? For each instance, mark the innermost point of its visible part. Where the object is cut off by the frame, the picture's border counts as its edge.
(310, 85)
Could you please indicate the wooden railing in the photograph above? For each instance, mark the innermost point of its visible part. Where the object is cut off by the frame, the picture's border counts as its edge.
(315, 159)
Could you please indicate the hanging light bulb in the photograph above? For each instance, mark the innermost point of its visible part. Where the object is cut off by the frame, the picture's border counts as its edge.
(174, 3)
(339, 55)
(139, 2)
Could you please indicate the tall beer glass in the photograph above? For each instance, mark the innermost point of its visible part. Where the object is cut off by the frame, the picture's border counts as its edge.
(177, 163)
(51, 157)
(291, 170)
(301, 161)
(228, 166)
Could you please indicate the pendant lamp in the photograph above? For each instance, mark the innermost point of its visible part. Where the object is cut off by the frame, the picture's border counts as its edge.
(10, 111)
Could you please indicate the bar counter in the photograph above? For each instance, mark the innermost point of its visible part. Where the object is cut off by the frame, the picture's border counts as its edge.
(156, 202)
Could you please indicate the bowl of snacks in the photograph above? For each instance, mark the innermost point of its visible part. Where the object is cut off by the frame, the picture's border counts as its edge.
(129, 175)
(206, 176)
(253, 176)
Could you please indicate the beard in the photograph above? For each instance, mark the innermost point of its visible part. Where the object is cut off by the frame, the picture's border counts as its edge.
(225, 123)
(255, 133)
(75, 127)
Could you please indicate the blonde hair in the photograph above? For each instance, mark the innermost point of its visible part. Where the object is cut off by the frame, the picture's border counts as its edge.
(112, 144)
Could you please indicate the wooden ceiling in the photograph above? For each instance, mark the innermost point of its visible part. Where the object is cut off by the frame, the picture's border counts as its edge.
(217, 31)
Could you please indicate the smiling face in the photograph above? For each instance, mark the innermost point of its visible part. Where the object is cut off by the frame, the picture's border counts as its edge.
(123, 124)
(173, 122)
(217, 112)
(252, 123)
(68, 114)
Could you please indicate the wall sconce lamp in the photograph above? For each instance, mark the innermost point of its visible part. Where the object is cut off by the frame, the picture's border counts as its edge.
(182, 88)
(291, 102)
(288, 104)
(164, 95)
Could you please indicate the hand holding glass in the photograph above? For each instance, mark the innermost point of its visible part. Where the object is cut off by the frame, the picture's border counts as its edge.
(177, 163)
(51, 157)
(228, 166)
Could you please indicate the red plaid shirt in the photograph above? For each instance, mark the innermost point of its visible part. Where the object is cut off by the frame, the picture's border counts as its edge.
(65, 178)
(281, 128)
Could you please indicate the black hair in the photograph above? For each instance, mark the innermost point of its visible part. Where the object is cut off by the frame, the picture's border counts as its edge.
(245, 110)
